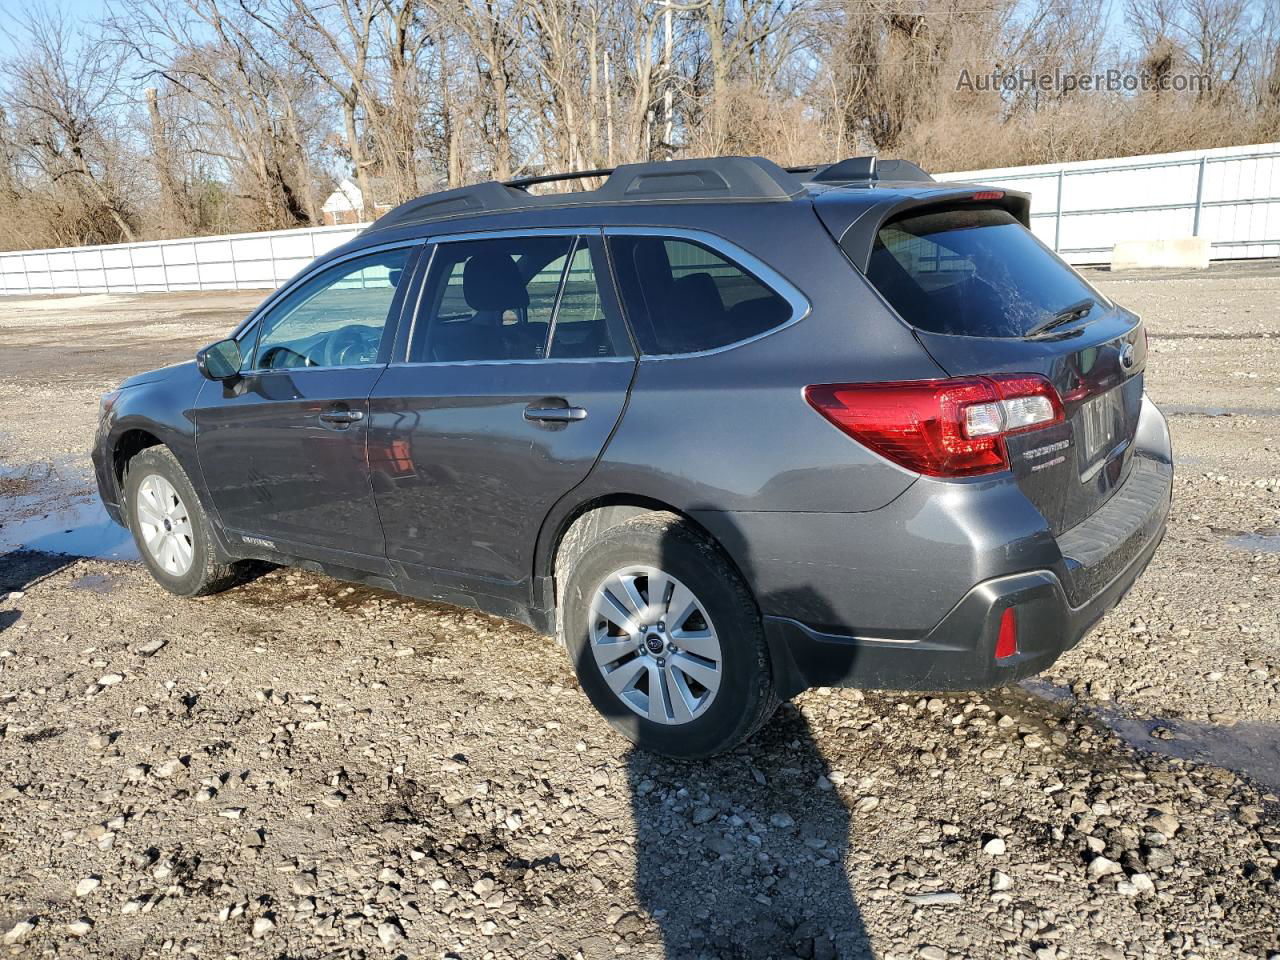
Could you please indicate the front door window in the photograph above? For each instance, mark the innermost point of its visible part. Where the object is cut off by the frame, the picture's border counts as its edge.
(335, 319)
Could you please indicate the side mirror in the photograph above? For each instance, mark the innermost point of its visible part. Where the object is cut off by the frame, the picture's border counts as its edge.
(220, 361)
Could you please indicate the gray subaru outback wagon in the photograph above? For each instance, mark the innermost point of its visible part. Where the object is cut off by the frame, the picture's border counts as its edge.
(727, 430)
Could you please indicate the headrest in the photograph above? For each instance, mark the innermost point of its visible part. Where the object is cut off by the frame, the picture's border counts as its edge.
(492, 281)
(393, 276)
(697, 294)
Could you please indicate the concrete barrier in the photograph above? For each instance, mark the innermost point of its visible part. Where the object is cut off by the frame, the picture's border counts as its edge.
(1185, 253)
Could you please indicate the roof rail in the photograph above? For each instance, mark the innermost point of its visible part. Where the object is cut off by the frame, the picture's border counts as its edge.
(717, 180)
(856, 169)
(520, 183)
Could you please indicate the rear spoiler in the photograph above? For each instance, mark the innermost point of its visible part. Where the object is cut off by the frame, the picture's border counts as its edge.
(857, 236)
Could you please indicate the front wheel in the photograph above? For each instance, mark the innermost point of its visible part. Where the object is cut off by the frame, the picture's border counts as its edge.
(170, 527)
(666, 638)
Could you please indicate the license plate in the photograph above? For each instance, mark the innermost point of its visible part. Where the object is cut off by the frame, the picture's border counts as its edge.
(1100, 419)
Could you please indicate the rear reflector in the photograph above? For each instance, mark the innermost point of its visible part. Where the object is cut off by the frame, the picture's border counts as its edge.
(942, 428)
(1007, 642)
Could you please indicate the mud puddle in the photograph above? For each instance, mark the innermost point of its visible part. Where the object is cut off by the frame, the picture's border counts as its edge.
(54, 508)
(1249, 749)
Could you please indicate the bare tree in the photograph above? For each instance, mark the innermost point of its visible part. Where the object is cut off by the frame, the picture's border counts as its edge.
(64, 99)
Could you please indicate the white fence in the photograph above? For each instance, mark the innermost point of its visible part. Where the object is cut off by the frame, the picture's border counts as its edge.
(1230, 195)
(246, 261)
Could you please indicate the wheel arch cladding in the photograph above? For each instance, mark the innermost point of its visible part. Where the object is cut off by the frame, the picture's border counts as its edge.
(127, 446)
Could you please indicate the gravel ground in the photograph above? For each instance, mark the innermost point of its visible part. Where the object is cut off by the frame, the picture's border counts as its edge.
(301, 768)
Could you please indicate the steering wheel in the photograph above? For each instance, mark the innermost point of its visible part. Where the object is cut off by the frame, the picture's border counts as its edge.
(281, 357)
(341, 342)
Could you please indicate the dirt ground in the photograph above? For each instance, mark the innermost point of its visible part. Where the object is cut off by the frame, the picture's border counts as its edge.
(300, 768)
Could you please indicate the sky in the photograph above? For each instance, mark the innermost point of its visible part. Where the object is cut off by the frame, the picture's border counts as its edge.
(96, 9)
(77, 9)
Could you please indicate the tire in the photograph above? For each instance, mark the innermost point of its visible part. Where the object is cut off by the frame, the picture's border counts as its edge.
(185, 559)
(635, 560)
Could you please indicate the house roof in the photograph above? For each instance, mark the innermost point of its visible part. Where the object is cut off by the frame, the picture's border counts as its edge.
(345, 199)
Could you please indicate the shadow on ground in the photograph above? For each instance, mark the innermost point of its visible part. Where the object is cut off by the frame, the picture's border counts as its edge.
(764, 877)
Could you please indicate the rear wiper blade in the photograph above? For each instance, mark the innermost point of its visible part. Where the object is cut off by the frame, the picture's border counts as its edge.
(1064, 316)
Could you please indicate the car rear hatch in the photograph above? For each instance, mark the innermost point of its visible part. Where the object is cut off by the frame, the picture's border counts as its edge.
(985, 297)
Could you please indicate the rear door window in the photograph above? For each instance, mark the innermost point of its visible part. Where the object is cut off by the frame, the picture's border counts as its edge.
(684, 297)
(515, 298)
(972, 271)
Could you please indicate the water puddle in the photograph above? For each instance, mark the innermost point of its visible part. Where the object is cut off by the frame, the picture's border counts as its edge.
(1249, 749)
(54, 508)
(1198, 410)
(1264, 540)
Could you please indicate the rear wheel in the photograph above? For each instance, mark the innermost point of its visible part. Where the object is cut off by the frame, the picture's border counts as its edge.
(666, 638)
(170, 527)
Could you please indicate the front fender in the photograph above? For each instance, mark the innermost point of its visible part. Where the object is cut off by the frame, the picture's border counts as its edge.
(160, 406)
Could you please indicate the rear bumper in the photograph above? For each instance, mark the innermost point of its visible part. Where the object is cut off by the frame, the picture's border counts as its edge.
(959, 653)
(1059, 587)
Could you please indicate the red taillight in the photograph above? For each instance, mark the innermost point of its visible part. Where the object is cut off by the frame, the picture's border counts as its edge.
(943, 428)
(1007, 641)
(988, 195)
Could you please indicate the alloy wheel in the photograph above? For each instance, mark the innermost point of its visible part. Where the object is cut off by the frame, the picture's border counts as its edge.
(165, 525)
(655, 645)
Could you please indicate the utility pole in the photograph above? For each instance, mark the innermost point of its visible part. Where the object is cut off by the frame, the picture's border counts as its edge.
(668, 68)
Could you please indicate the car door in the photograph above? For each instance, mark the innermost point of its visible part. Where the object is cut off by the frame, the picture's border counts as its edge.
(516, 373)
(283, 447)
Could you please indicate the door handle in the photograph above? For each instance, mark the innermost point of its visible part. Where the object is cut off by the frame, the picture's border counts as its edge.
(555, 414)
(342, 417)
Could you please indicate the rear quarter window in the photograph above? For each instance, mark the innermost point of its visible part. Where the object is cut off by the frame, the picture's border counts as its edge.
(971, 271)
(683, 297)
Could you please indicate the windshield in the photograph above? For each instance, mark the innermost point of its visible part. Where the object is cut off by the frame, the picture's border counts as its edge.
(974, 272)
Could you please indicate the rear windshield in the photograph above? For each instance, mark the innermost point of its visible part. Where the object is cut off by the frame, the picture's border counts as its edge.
(973, 271)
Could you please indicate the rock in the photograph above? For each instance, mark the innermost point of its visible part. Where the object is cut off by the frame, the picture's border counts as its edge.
(170, 767)
(304, 884)
(994, 847)
(390, 933)
(137, 771)
(1000, 881)
(1143, 883)
(100, 741)
(109, 679)
(87, 886)
(931, 952)
(703, 815)
(866, 805)
(1164, 823)
(18, 932)
(262, 926)
(782, 821)
(629, 924)
(151, 646)
(1100, 867)
(80, 928)
(942, 899)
